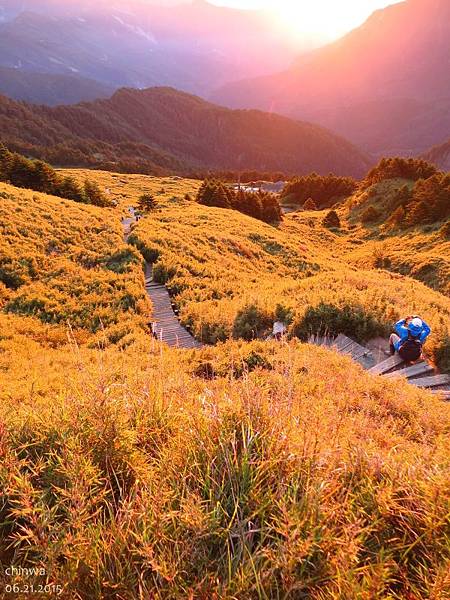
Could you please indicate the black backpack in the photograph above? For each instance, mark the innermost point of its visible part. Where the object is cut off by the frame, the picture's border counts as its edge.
(411, 350)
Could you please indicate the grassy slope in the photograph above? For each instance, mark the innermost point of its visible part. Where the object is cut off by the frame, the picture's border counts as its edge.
(262, 485)
(63, 262)
(125, 472)
(218, 261)
(422, 253)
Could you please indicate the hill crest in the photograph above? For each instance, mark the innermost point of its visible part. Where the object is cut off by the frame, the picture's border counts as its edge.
(162, 129)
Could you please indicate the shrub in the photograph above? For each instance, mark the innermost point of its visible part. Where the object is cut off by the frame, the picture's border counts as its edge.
(328, 319)
(417, 213)
(398, 218)
(405, 168)
(251, 322)
(163, 273)
(445, 231)
(310, 205)
(146, 203)
(331, 220)
(283, 314)
(370, 215)
(93, 195)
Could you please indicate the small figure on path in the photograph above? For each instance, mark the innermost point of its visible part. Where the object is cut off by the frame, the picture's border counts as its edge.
(153, 329)
(409, 338)
(278, 331)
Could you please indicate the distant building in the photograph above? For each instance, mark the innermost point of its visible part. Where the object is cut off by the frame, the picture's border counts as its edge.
(264, 186)
(275, 188)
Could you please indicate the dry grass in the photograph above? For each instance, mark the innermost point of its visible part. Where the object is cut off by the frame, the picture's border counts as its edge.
(216, 262)
(139, 480)
(244, 470)
(66, 263)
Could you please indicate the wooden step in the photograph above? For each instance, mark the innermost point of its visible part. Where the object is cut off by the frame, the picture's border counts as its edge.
(430, 382)
(356, 351)
(416, 370)
(342, 342)
(386, 365)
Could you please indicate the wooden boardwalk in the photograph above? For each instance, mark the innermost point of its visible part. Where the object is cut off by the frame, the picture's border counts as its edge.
(168, 328)
(420, 374)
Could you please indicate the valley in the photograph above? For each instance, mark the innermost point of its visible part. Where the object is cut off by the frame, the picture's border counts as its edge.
(383, 85)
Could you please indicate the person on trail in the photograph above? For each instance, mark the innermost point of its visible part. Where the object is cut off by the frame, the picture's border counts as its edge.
(278, 331)
(409, 338)
(154, 329)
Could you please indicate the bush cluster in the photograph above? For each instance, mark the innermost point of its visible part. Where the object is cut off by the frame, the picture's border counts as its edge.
(404, 168)
(331, 220)
(259, 205)
(324, 191)
(427, 202)
(41, 177)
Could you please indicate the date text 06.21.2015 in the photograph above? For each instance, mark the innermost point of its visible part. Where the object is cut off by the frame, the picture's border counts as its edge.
(33, 588)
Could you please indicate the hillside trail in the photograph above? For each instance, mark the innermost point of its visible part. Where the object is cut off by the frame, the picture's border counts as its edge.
(167, 327)
(421, 374)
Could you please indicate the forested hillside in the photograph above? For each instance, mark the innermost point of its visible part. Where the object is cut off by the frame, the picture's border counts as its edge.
(160, 130)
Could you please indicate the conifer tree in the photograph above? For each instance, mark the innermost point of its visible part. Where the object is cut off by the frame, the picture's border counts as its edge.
(309, 205)
(146, 203)
(331, 220)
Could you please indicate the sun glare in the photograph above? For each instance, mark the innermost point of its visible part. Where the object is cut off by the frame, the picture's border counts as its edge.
(325, 19)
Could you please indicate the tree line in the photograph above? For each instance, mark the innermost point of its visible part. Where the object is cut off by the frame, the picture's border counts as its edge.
(259, 205)
(319, 191)
(427, 202)
(404, 168)
(39, 176)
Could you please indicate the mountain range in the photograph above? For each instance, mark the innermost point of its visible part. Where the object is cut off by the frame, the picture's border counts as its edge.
(159, 130)
(384, 86)
(194, 47)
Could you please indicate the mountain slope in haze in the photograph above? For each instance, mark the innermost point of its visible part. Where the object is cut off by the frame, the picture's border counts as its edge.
(194, 47)
(384, 86)
(172, 130)
(45, 88)
(440, 156)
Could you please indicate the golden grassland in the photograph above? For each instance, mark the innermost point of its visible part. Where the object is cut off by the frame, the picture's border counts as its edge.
(216, 262)
(140, 480)
(422, 252)
(242, 470)
(66, 263)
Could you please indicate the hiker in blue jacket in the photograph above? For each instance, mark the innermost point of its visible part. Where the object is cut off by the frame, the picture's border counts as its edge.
(409, 338)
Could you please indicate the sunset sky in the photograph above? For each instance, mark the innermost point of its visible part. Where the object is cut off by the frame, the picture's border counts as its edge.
(325, 19)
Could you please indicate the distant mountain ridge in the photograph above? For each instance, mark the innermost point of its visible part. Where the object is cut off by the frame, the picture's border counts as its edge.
(384, 86)
(51, 89)
(164, 130)
(194, 47)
